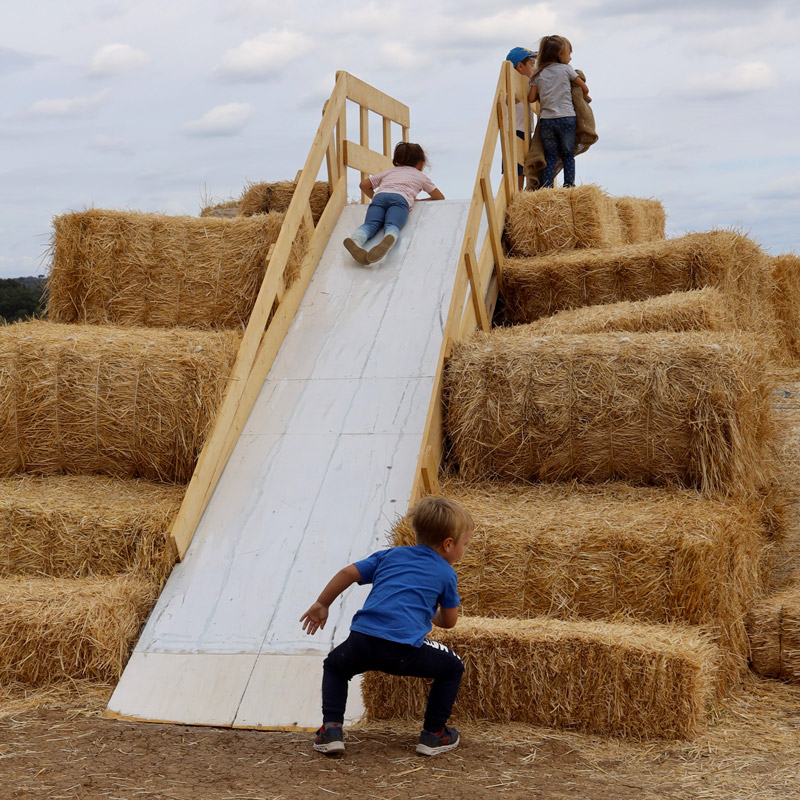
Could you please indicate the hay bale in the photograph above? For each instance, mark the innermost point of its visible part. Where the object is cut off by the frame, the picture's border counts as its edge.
(773, 624)
(78, 526)
(261, 198)
(121, 401)
(612, 551)
(53, 629)
(785, 290)
(728, 261)
(631, 680)
(126, 268)
(642, 219)
(229, 208)
(562, 219)
(686, 409)
(700, 309)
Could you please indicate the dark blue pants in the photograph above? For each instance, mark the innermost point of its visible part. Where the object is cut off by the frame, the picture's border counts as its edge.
(362, 653)
(558, 139)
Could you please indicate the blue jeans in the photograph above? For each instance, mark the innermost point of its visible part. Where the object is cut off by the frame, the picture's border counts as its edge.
(387, 210)
(558, 139)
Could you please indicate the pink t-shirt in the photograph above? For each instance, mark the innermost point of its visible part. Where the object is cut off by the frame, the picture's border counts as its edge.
(405, 181)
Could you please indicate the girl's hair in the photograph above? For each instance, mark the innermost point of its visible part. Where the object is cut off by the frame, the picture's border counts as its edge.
(408, 154)
(550, 48)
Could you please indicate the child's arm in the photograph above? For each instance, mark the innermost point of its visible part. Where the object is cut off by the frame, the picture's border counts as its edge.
(533, 93)
(434, 195)
(584, 88)
(366, 187)
(445, 617)
(316, 616)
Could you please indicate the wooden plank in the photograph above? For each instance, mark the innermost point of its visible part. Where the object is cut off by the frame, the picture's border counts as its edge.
(387, 137)
(495, 232)
(363, 126)
(370, 97)
(366, 161)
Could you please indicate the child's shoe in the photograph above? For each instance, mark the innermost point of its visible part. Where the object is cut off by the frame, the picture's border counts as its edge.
(431, 744)
(381, 249)
(358, 253)
(329, 739)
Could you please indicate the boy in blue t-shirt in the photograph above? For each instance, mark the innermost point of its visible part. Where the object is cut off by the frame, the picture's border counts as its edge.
(412, 588)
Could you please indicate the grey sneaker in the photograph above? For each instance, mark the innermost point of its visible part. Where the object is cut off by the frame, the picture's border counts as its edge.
(358, 253)
(329, 739)
(431, 744)
(380, 249)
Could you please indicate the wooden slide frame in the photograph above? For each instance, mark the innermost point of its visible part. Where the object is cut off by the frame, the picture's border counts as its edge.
(276, 305)
(480, 268)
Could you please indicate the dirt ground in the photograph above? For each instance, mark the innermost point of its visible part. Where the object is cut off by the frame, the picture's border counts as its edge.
(69, 751)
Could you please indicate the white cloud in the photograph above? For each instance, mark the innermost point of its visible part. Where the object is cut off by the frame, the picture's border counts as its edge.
(744, 78)
(786, 188)
(264, 56)
(226, 120)
(401, 56)
(112, 59)
(68, 106)
(110, 144)
(528, 23)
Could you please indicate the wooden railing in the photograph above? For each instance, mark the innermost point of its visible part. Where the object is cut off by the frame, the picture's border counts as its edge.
(480, 268)
(276, 304)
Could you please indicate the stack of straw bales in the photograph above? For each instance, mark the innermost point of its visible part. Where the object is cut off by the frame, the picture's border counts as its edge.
(785, 285)
(612, 551)
(583, 217)
(55, 629)
(262, 198)
(688, 409)
(228, 208)
(631, 680)
(78, 526)
(539, 287)
(774, 628)
(699, 309)
(121, 401)
(125, 268)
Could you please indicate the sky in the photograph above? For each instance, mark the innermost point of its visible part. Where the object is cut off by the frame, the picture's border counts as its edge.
(167, 106)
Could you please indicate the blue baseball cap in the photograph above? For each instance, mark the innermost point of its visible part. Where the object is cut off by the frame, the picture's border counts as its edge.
(518, 54)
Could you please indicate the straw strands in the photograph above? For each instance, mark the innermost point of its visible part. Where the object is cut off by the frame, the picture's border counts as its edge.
(52, 629)
(77, 526)
(773, 625)
(581, 217)
(538, 287)
(261, 198)
(610, 551)
(228, 208)
(126, 268)
(700, 309)
(687, 409)
(125, 402)
(785, 284)
(631, 680)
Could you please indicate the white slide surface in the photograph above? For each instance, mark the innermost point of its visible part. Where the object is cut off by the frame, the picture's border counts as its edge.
(323, 468)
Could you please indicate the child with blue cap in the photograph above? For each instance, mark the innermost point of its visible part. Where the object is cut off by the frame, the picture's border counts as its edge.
(524, 62)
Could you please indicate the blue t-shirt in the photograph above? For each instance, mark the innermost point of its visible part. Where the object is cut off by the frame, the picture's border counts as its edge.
(408, 583)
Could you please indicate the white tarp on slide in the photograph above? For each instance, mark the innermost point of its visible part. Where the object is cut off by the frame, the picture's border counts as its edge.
(324, 465)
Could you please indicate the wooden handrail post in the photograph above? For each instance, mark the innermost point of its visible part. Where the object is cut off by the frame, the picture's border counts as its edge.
(470, 262)
(495, 232)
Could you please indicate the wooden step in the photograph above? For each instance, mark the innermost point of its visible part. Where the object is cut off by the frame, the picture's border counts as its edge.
(52, 629)
(77, 526)
(631, 680)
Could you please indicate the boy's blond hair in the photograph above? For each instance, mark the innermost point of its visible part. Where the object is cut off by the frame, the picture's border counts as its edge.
(434, 519)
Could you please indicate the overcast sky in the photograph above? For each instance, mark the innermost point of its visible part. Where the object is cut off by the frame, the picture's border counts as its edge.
(156, 106)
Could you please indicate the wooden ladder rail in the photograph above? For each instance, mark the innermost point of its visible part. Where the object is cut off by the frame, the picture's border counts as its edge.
(479, 275)
(276, 305)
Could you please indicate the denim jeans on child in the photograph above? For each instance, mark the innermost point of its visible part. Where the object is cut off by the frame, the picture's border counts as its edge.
(362, 653)
(387, 210)
(558, 139)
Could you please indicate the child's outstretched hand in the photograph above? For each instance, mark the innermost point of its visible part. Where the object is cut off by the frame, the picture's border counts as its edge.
(314, 618)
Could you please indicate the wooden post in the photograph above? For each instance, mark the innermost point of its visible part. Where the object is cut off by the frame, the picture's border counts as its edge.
(363, 121)
(470, 262)
(495, 232)
(387, 137)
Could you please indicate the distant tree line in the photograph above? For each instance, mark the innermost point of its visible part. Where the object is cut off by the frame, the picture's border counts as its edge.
(21, 298)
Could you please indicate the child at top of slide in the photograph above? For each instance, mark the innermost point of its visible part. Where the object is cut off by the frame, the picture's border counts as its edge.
(551, 85)
(393, 193)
